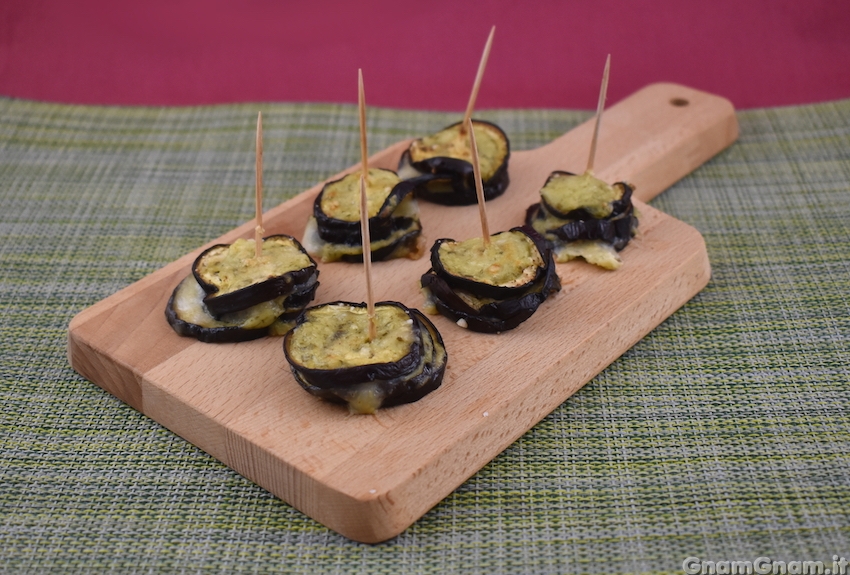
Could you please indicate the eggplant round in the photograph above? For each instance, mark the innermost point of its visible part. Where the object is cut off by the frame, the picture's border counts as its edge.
(234, 279)
(482, 306)
(329, 345)
(582, 216)
(337, 207)
(440, 164)
(570, 196)
(333, 231)
(509, 265)
(330, 355)
(485, 314)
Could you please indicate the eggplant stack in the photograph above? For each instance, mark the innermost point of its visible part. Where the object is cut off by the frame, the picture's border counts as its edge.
(440, 165)
(233, 295)
(332, 357)
(491, 287)
(582, 216)
(333, 231)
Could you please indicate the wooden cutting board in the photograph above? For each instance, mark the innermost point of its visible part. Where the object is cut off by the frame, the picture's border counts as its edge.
(369, 477)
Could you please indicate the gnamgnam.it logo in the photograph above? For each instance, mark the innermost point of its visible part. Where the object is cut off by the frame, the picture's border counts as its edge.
(764, 566)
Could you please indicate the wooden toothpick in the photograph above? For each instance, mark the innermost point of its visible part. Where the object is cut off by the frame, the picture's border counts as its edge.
(361, 102)
(599, 107)
(367, 257)
(258, 200)
(477, 84)
(366, 240)
(479, 186)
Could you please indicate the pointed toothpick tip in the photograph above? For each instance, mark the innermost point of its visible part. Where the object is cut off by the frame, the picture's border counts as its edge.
(258, 191)
(600, 106)
(476, 85)
(361, 105)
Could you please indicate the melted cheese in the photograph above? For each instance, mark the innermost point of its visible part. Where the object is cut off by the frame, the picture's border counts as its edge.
(429, 306)
(189, 305)
(595, 252)
(365, 398)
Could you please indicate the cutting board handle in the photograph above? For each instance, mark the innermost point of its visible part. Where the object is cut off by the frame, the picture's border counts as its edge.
(651, 139)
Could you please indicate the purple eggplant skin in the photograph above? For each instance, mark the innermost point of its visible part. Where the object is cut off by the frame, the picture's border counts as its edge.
(230, 334)
(298, 300)
(496, 316)
(617, 229)
(424, 378)
(487, 290)
(451, 182)
(329, 378)
(256, 293)
(381, 225)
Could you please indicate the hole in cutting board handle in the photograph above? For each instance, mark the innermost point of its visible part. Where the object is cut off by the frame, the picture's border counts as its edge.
(679, 102)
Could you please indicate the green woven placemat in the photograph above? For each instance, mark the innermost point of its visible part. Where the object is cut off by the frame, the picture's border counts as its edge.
(723, 435)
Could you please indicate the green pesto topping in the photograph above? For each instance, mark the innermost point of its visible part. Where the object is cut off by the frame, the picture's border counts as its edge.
(567, 192)
(510, 259)
(492, 147)
(336, 336)
(341, 199)
(236, 266)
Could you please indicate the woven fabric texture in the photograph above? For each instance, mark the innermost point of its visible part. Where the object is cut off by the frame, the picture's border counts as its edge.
(723, 435)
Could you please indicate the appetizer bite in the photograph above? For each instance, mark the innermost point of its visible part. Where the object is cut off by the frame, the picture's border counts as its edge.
(490, 283)
(333, 231)
(332, 355)
(365, 355)
(583, 216)
(233, 296)
(490, 287)
(440, 164)
(247, 289)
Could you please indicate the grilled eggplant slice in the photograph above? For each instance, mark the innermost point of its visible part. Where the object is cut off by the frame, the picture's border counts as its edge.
(440, 164)
(582, 216)
(188, 315)
(330, 356)
(333, 231)
(487, 315)
(234, 279)
(490, 290)
(508, 266)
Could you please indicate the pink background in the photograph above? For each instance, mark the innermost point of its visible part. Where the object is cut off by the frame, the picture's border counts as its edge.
(423, 55)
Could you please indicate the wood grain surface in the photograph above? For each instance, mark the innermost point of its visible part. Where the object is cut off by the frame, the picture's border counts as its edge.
(369, 477)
